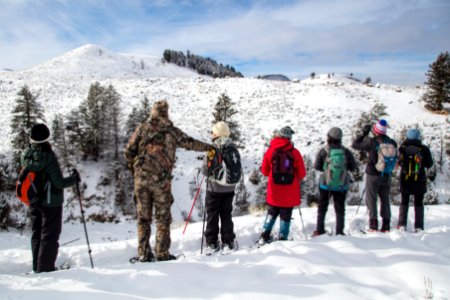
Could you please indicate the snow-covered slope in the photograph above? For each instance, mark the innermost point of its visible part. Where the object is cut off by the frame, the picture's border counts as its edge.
(311, 107)
(376, 266)
(91, 62)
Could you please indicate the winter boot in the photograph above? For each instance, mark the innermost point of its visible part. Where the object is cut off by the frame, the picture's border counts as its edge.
(373, 225)
(316, 233)
(229, 247)
(211, 248)
(386, 225)
(418, 222)
(265, 238)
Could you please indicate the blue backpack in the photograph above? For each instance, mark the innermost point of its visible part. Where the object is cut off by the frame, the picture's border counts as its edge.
(387, 158)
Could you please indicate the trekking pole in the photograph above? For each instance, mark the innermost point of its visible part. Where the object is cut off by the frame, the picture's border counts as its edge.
(204, 208)
(303, 225)
(84, 224)
(193, 204)
(203, 228)
(66, 243)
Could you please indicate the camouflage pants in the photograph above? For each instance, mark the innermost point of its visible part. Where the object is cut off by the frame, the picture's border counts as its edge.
(153, 194)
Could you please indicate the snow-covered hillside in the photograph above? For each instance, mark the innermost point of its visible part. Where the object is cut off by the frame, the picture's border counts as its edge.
(358, 266)
(311, 107)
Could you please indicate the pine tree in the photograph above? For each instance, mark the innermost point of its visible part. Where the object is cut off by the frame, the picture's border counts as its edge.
(438, 83)
(137, 116)
(91, 115)
(25, 114)
(241, 204)
(224, 111)
(111, 126)
(76, 134)
(59, 141)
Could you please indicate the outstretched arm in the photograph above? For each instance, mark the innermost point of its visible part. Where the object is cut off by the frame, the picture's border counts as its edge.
(189, 143)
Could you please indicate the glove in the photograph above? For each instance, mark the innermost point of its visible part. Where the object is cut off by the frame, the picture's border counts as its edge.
(76, 176)
(366, 129)
(210, 154)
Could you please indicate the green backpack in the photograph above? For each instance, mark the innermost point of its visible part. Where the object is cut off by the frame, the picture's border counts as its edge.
(335, 170)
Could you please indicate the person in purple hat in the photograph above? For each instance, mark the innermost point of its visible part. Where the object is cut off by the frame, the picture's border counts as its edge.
(382, 152)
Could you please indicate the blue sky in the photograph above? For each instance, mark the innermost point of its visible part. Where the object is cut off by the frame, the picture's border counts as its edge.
(388, 40)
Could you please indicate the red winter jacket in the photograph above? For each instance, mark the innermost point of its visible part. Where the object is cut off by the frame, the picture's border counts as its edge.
(283, 195)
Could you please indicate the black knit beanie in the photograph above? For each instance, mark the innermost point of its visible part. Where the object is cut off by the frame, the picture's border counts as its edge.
(39, 133)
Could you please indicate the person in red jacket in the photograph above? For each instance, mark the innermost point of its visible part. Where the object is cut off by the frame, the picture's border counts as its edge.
(284, 166)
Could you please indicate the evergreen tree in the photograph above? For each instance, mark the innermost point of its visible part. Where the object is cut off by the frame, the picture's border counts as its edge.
(224, 111)
(132, 123)
(111, 105)
(59, 141)
(438, 82)
(76, 134)
(25, 114)
(241, 203)
(368, 81)
(91, 115)
(137, 116)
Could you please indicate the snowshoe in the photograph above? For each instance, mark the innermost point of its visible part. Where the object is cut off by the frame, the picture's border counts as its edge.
(64, 266)
(210, 249)
(170, 257)
(229, 248)
(150, 257)
(317, 233)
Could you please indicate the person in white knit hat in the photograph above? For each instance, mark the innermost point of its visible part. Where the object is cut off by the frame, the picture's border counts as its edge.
(223, 171)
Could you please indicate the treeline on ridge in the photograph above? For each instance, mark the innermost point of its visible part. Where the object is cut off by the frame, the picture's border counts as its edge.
(202, 65)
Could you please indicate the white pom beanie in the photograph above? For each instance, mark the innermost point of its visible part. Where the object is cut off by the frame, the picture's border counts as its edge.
(221, 129)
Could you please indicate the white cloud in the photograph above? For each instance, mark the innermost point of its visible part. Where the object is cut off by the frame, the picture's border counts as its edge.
(300, 34)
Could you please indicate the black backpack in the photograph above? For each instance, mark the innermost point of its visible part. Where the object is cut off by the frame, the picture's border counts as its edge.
(283, 166)
(411, 161)
(226, 166)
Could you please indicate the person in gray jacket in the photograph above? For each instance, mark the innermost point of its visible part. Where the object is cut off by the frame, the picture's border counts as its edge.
(220, 191)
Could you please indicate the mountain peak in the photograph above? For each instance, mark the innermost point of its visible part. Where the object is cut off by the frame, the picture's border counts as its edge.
(99, 63)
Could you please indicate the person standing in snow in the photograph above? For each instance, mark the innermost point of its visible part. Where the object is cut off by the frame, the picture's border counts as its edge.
(334, 160)
(378, 183)
(414, 158)
(284, 166)
(46, 215)
(150, 155)
(220, 195)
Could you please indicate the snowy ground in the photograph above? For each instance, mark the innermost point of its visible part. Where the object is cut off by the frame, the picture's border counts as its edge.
(358, 266)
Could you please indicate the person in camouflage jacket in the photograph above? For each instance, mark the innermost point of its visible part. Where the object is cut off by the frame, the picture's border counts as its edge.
(150, 155)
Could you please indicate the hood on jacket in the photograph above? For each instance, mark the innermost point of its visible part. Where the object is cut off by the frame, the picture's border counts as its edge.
(222, 141)
(279, 142)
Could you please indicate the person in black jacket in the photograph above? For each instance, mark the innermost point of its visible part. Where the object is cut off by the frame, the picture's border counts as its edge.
(414, 158)
(46, 215)
(345, 161)
(378, 183)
